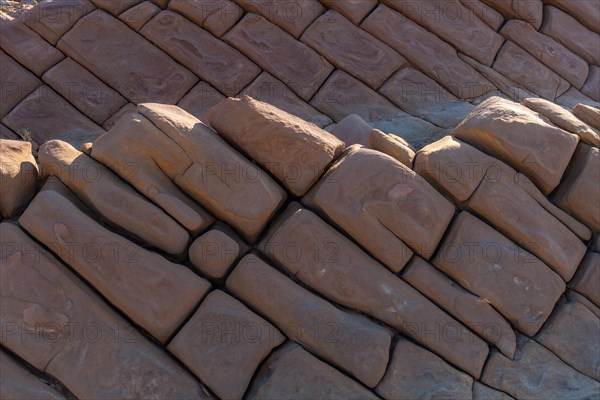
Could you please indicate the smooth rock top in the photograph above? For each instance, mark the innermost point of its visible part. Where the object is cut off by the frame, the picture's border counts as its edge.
(18, 176)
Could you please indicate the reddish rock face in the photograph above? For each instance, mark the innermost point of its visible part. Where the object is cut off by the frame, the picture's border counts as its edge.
(18, 176)
(17, 83)
(393, 146)
(352, 130)
(139, 15)
(215, 252)
(587, 114)
(526, 10)
(588, 275)
(216, 16)
(354, 10)
(382, 205)
(415, 373)
(591, 87)
(18, 383)
(585, 11)
(200, 99)
(523, 290)
(293, 373)
(347, 340)
(294, 151)
(224, 343)
(52, 19)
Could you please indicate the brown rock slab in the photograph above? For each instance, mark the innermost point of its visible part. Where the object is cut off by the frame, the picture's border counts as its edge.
(81, 88)
(419, 95)
(591, 87)
(579, 193)
(329, 263)
(215, 252)
(224, 343)
(354, 10)
(579, 298)
(216, 16)
(217, 176)
(453, 23)
(425, 50)
(523, 378)
(112, 199)
(293, 373)
(126, 61)
(6, 133)
(483, 392)
(214, 61)
(45, 115)
(382, 204)
(484, 12)
(115, 7)
(113, 119)
(26, 46)
(527, 71)
(135, 280)
(572, 97)
(268, 89)
(525, 10)
(200, 99)
(16, 382)
(393, 146)
(52, 19)
(585, 11)
(587, 278)
(589, 115)
(18, 176)
(519, 137)
(348, 341)
(352, 130)
(571, 333)
(137, 16)
(551, 53)
(565, 29)
(415, 373)
(59, 326)
(293, 16)
(523, 289)
(565, 120)
(476, 313)
(17, 83)
(139, 153)
(296, 152)
(352, 49)
(278, 53)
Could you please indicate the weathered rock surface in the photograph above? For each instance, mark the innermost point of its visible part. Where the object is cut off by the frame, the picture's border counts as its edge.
(328, 262)
(217, 176)
(520, 138)
(214, 61)
(215, 252)
(428, 52)
(68, 328)
(111, 198)
(415, 373)
(393, 146)
(572, 97)
(139, 153)
(52, 19)
(525, 10)
(585, 11)
(383, 205)
(17, 83)
(224, 343)
(572, 295)
(523, 289)
(349, 341)
(473, 311)
(279, 54)
(16, 382)
(565, 120)
(352, 130)
(483, 392)
(137, 281)
(217, 17)
(589, 115)
(200, 99)
(293, 373)
(296, 152)
(591, 87)
(352, 49)
(354, 10)
(115, 7)
(128, 108)
(137, 16)
(524, 379)
(18, 176)
(484, 12)
(125, 60)
(577, 194)
(587, 279)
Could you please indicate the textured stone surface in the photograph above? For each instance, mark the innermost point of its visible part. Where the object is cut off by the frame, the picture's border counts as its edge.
(523, 290)
(589, 115)
(476, 313)
(293, 373)
(415, 373)
(382, 205)
(585, 11)
(483, 392)
(52, 19)
(517, 136)
(572, 295)
(591, 87)
(572, 334)
(587, 279)
(352, 130)
(214, 61)
(115, 7)
(111, 198)
(18, 176)
(79, 87)
(351, 49)
(278, 53)
(125, 60)
(223, 344)
(135, 280)
(332, 265)
(215, 252)
(40, 294)
(128, 108)
(393, 146)
(349, 341)
(489, 15)
(525, 10)
(294, 151)
(577, 194)
(428, 52)
(16, 382)
(217, 176)
(137, 16)
(17, 83)
(200, 99)
(354, 10)
(572, 97)
(524, 379)
(216, 16)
